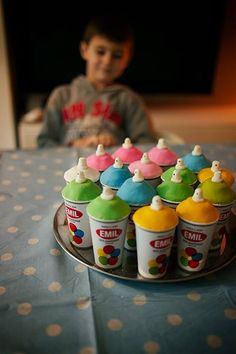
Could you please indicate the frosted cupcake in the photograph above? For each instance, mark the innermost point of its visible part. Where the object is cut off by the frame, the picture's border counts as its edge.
(162, 155)
(150, 170)
(108, 217)
(89, 172)
(208, 172)
(196, 160)
(128, 152)
(174, 191)
(155, 228)
(77, 194)
(101, 160)
(198, 219)
(222, 196)
(136, 192)
(186, 174)
(115, 175)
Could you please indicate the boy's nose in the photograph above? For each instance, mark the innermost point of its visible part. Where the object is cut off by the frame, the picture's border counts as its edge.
(107, 59)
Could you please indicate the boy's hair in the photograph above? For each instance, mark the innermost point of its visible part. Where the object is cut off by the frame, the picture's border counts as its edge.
(112, 27)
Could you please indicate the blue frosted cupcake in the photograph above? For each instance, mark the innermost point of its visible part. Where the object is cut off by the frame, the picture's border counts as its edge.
(196, 160)
(115, 175)
(136, 192)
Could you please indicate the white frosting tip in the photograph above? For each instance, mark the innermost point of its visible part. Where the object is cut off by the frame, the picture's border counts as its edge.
(156, 203)
(198, 196)
(82, 164)
(180, 164)
(138, 176)
(127, 143)
(118, 163)
(215, 166)
(145, 159)
(107, 193)
(217, 177)
(80, 177)
(161, 144)
(176, 178)
(197, 151)
(100, 150)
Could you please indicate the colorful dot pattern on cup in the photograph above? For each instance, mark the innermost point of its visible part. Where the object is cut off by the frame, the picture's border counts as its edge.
(131, 238)
(190, 257)
(158, 265)
(108, 255)
(77, 234)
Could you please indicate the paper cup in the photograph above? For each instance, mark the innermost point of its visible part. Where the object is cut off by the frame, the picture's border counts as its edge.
(172, 205)
(194, 241)
(78, 223)
(108, 238)
(153, 251)
(225, 211)
(130, 239)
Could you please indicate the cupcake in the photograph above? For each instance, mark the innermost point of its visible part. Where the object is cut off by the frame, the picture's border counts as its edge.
(186, 174)
(89, 172)
(128, 152)
(196, 160)
(198, 219)
(174, 191)
(162, 155)
(222, 196)
(208, 172)
(108, 217)
(155, 226)
(115, 175)
(101, 160)
(136, 192)
(77, 194)
(150, 170)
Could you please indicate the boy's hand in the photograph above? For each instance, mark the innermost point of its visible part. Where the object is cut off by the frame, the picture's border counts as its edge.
(106, 140)
(94, 140)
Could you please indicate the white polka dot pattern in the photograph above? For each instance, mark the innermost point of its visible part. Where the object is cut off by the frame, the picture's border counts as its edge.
(53, 330)
(115, 324)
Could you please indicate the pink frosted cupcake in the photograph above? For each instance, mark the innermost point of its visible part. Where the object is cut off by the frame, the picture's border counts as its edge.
(162, 155)
(128, 152)
(101, 160)
(150, 170)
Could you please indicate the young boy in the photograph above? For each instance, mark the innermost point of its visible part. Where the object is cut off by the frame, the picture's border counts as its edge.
(94, 109)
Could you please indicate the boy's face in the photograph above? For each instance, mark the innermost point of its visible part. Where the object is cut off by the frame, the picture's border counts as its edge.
(106, 60)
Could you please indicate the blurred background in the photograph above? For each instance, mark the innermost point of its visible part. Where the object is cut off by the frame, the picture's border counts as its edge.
(184, 64)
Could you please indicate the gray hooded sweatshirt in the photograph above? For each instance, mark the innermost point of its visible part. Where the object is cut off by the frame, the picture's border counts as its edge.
(77, 110)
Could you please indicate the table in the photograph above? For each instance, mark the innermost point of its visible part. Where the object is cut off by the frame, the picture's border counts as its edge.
(51, 304)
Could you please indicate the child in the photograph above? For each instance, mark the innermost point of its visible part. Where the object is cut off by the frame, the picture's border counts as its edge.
(94, 109)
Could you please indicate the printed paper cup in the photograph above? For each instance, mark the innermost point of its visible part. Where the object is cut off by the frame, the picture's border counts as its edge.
(130, 239)
(225, 211)
(108, 242)
(194, 241)
(78, 223)
(198, 219)
(153, 250)
(222, 196)
(77, 194)
(108, 217)
(155, 227)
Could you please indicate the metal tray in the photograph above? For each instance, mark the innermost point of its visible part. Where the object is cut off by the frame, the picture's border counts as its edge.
(129, 270)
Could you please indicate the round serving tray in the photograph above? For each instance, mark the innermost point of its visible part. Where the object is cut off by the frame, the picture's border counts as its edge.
(129, 270)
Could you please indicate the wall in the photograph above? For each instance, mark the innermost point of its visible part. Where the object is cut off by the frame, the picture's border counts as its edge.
(7, 128)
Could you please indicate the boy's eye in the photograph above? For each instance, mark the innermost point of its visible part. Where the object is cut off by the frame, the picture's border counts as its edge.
(100, 51)
(117, 55)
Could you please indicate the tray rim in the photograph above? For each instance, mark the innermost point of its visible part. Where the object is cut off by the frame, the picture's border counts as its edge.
(109, 272)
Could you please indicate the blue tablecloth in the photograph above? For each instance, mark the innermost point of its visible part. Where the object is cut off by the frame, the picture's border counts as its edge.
(52, 304)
